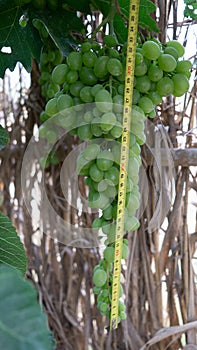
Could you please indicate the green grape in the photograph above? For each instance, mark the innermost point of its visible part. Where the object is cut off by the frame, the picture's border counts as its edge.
(51, 56)
(83, 165)
(154, 73)
(51, 107)
(183, 66)
(95, 173)
(181, 84)
(87, 76)
(44, 77)
(91, 151)
(66, 87)
(71, 76)
(172, 51)
(74, 60)
(111, 190)
(114, 67)
(109, 254)
(143, 84)
(141, 69)
(136, 96)
(108, 120)
(63, 102)
(118, 103)
(106, 227)
(103, 308)
(103, 101)
(97, 224)
(100, 67)
(152, 114)
(75, 88)
(89, 59)
(125, 251)
(110, 40)
(131, 224)
(67, 119)
(99, 278)
(155, 97)
(113, 53)
(133, 167)
(113, 175)
(99, 201)
(121, 89)
(58, 57)
(165, 86)
(123, 315)
(97, 290)
(102, 185)
(54, 88)
(132, 202)
(44, 116)
(151, 50)
(84, 132)
(88, 116)
(121, 306)
(85, 94)
(146, 104)
(138, 130)
(167, 63)
(180, 49)
(59, 74)
(96, 88)
(86, 46)
(95, 127)
(116, 131)
(121, 77)
(138, 58)
(108, 212)
(105, 160)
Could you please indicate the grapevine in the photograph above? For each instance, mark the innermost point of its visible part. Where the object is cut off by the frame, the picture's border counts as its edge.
(86, 99)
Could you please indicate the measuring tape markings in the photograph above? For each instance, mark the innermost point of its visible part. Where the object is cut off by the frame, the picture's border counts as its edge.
(124, 158)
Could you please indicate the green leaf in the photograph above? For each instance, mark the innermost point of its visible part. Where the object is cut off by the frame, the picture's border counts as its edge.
(120, 29)
(144, 19)
(190, 9)
(22, 323)
(101, 5)
(60, 26)
(82, 5)
(4, 138)
(12, 251)
(24, 42)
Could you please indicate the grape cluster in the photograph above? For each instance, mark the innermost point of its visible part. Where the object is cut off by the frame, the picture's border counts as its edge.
(89, 103)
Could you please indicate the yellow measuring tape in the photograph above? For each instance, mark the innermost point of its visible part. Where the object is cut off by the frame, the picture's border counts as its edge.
(124, 157)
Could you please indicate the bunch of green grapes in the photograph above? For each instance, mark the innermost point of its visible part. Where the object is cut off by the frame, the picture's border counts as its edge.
(89, 104)
(50, 58)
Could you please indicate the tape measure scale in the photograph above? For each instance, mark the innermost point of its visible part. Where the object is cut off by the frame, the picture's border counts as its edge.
(124, 157)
